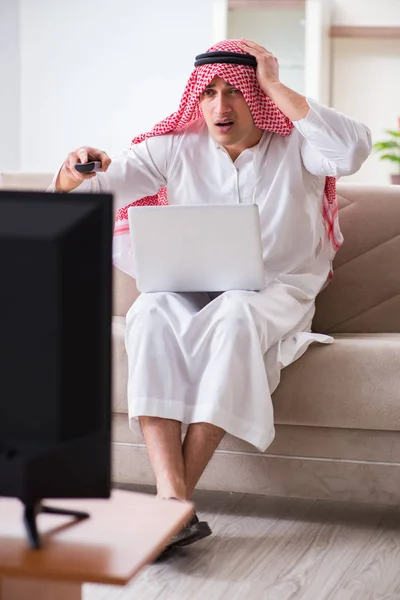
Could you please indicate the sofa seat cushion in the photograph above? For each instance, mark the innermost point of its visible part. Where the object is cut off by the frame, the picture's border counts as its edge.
(352, 383)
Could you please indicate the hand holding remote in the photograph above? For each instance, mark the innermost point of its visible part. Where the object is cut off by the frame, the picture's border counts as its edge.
(79, 165)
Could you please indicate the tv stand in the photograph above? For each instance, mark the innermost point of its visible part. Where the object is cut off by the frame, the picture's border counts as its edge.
(123, 534)
(32, 510)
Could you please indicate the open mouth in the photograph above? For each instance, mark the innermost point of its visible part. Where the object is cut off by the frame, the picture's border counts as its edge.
(224, 126)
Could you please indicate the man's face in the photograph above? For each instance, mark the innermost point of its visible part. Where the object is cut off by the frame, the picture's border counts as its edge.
(227, 116)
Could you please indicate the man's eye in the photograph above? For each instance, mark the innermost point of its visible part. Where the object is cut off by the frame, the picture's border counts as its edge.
(208, 93)
(235, 91)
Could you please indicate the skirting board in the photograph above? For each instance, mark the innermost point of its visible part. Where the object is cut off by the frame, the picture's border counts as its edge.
(285, 476)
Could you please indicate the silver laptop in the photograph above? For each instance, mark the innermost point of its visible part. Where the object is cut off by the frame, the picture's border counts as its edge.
(198, 248)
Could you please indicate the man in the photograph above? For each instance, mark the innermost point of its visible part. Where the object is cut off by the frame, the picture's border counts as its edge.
(212, 361)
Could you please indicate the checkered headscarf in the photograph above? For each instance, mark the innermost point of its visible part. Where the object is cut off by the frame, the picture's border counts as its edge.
(266, 116)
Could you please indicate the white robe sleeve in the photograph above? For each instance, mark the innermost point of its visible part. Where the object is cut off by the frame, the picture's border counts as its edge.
(334, 144)
(133, 174)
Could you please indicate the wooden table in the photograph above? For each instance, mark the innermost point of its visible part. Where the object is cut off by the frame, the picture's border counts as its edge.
(121, 536)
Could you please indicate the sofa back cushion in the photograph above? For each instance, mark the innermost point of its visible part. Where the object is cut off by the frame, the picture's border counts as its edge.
(25, 181)
(364, 295)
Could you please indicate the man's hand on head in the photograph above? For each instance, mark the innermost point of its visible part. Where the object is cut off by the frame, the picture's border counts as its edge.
(292, 104)
(267, 65)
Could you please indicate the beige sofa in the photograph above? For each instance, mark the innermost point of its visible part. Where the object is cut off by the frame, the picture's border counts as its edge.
(337, 409)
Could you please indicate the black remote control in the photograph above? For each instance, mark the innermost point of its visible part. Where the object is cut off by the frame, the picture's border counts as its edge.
(90, 167)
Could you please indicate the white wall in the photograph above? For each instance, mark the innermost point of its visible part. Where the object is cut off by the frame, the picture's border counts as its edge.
(366, 76)
(366, 85)
(100, 72)
(9, 86)
(317, 67)
(50, 102)
(281, 31)
(220, 20)
(366, 12)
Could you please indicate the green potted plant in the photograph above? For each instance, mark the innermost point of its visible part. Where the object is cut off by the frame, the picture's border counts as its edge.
(390, 150)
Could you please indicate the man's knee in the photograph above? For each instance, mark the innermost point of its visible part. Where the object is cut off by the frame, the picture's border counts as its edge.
(145, 316)
(238, 321)
(146, 305)
(235, 311)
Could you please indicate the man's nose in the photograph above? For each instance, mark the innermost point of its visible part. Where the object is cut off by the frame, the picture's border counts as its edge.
(222, 105)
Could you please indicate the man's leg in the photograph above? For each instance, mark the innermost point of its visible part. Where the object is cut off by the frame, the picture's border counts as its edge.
(178, 468)
(164, 445)
(200, 443)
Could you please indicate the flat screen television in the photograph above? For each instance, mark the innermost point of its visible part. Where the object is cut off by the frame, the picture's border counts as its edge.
(55, 349)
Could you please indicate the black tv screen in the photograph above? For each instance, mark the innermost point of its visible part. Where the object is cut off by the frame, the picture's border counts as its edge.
(55, 345)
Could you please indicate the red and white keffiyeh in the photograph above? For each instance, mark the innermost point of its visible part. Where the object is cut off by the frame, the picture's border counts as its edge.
(266, 116)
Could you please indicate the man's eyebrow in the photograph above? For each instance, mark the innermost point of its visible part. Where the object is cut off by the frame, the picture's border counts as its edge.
(213, 85)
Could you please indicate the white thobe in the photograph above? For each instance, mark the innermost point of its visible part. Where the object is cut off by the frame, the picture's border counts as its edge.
(217, 358)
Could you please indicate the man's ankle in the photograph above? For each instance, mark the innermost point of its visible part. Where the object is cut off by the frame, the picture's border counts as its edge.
(167, 489)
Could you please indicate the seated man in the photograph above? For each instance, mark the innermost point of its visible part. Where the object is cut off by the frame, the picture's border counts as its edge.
(211, 361)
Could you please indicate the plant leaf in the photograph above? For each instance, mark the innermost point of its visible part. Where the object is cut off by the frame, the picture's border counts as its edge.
(393, 132)
(386, 145)
(391, 157)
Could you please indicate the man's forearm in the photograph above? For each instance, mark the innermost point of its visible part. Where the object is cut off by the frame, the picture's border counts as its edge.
(292, 104)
